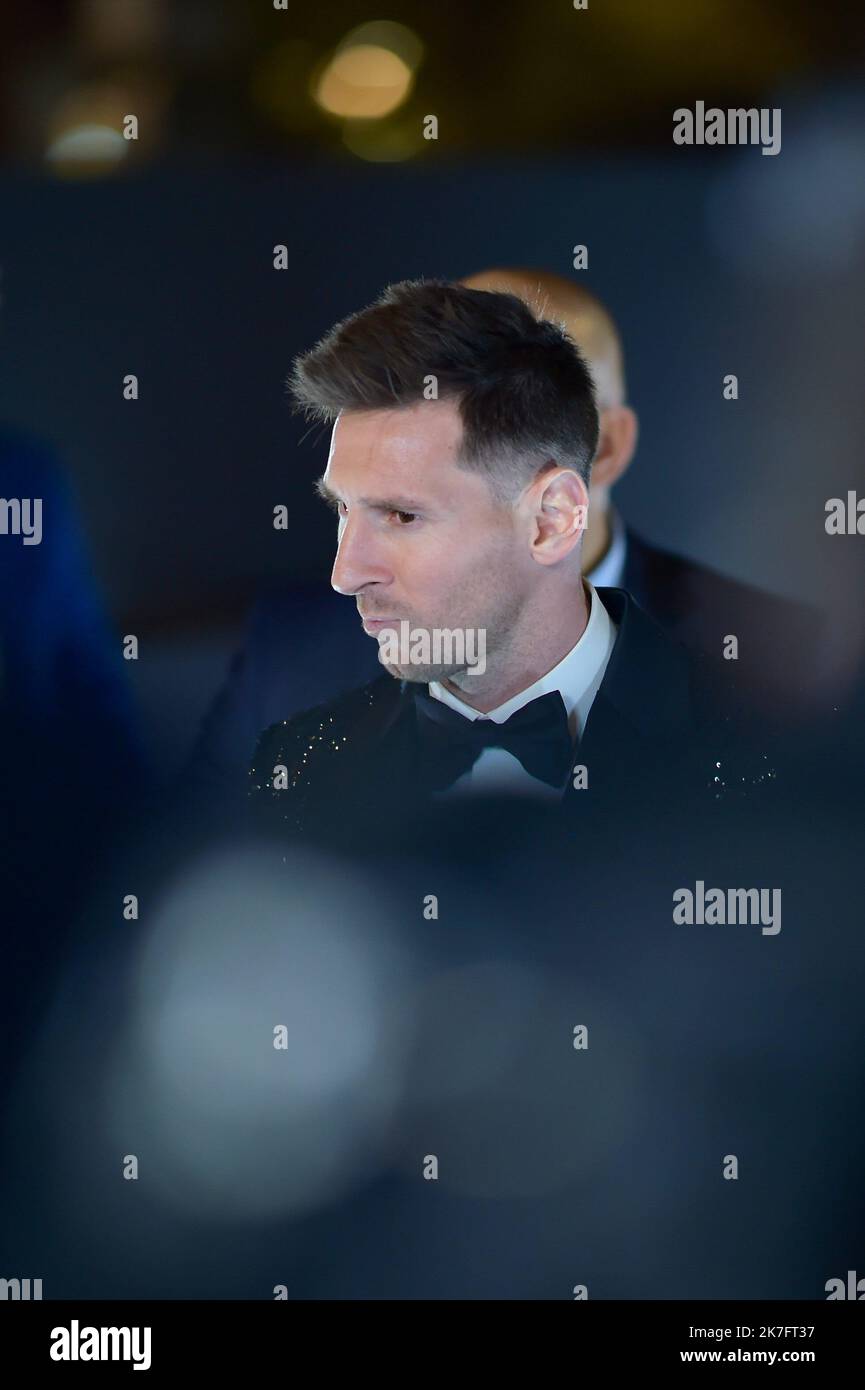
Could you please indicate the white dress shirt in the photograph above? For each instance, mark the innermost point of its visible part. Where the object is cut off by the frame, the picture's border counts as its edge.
(577, 677)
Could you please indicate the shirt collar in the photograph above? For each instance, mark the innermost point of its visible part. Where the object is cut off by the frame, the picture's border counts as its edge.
(577, 676)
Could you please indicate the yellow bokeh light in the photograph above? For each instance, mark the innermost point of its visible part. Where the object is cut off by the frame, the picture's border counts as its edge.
(363, 82)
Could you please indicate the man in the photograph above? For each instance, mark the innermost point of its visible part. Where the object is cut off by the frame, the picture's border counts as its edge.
(464, 433)
(303, 646)
(72, 760)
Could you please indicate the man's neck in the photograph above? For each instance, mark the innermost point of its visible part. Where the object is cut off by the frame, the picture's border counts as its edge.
(512, 672)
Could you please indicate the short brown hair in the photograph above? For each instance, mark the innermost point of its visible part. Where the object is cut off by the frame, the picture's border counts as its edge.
(525, 393)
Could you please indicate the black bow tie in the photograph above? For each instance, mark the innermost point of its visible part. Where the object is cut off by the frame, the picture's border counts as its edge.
(450, 744)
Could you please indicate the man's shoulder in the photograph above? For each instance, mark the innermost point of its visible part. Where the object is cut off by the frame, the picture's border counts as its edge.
(775, 637)
(689, 704)
(316, 735)
(687, 581)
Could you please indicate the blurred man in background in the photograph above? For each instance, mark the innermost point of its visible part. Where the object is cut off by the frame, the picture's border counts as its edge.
(72, 761)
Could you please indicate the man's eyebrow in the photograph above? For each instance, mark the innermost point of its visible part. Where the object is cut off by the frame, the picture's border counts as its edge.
(325, 493)
(376, 504)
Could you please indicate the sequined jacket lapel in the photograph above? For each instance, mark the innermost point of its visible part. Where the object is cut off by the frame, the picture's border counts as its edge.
(354, 757)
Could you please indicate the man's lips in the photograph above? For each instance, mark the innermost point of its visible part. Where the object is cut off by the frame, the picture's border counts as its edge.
(376, 624)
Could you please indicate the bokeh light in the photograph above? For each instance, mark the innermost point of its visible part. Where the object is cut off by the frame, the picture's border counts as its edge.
(370, 74)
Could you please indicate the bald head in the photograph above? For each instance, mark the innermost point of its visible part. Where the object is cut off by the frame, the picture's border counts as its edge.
(582, 316)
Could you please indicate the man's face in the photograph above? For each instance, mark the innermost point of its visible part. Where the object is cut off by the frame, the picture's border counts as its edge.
(420, 540)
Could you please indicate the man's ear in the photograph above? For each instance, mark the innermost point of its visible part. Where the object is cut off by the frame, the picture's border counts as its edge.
(618, 440)
(557, 507)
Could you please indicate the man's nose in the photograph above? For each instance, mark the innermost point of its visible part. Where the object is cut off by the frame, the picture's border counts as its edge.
(358, 559)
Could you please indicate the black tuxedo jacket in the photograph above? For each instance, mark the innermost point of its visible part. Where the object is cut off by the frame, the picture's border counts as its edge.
(701, 608)
(666, 733)
(305, 648)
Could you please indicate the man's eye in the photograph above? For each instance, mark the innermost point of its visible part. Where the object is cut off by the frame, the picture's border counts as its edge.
(404, 518)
